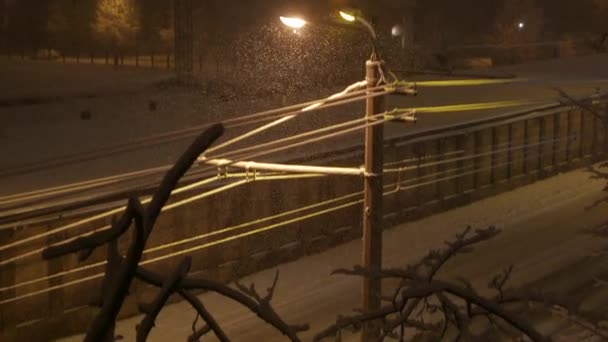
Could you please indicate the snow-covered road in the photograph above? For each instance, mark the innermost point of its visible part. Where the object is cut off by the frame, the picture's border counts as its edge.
(121, 111)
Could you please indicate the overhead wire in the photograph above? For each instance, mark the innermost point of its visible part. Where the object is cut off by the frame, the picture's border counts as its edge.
(189, 250)
(207, 194)
(468, 82)
(101, 216)
(68, 187)
(168, 207)
(419, 109)
(175, 135)
(426, 109)
(329, 136)
(191, 239)
(246, 157)
(189, 187)
(266, 145)
(416, 180)
(478, 106)
(398, 187)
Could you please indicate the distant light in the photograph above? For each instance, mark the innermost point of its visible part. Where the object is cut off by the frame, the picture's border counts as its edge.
(521, 25)
(347, 17)
(294, 23)
(397, 30)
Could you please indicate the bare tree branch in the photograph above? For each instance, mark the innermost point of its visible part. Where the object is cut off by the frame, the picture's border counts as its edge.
(262, 309)
(153, 309)
(119, 287)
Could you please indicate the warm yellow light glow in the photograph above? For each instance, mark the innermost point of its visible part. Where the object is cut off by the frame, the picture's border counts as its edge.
(347, 17)
(295, 23)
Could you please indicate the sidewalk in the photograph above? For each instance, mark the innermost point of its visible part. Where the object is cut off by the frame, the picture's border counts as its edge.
(541, 233)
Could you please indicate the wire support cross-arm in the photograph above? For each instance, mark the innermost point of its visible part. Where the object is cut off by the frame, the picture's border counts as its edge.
(255, 166)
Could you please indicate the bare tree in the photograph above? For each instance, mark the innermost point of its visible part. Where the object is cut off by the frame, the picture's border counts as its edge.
(116, 22)
(122, 271)
(421, 295)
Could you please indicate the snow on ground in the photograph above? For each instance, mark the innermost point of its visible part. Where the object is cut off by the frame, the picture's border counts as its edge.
(542, 232)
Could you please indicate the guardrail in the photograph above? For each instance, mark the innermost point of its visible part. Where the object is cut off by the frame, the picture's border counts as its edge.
(425, 172)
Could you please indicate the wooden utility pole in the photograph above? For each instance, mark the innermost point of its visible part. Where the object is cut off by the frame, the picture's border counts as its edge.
(372, 207)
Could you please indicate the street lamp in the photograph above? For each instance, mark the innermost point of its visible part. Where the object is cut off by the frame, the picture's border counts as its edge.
(373, 184)
(293, 22)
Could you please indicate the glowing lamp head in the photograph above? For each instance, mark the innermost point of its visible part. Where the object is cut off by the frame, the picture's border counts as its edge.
(521, 25)
(347, 16)
(292, 22)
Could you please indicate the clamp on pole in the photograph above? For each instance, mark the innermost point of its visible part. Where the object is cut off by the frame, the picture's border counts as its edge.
(403, 88)
(250, 176)
(403, 115)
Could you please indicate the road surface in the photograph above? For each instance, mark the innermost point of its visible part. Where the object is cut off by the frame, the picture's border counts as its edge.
(125, 105)
(543, 236)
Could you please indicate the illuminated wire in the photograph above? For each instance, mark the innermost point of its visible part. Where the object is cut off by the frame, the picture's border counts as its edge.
(97, 217)
(172, 136)
(417, 159)
(325, 106)
(242, 235)
(204, 195)
(121, 209)
(470, 82)
(198, 237)
(52, 288)
(476, 106)
(296, 137)
(70, 187)
(473, 156)
(295, 108)
(282, 120)
(171, 255)
(253, 232)
(307, 141)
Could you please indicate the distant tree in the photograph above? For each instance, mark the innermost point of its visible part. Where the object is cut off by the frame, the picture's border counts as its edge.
(166, 31)
(3, 21)
(116, 22)
(26, 20)
(601, 16)
(68, 24)
(156, 19)
(58, 22)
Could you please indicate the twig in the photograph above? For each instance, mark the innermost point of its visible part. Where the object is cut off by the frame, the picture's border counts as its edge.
(153, 309)
(263, 310)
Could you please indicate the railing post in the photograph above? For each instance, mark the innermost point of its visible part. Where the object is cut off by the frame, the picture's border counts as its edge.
(569, 135)
(8, 277)
(581, 146)
(477, 161)
(493, 165)
(594, 141)
(510, 153)
(542, 136)
(556, 139)
(526, 165)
